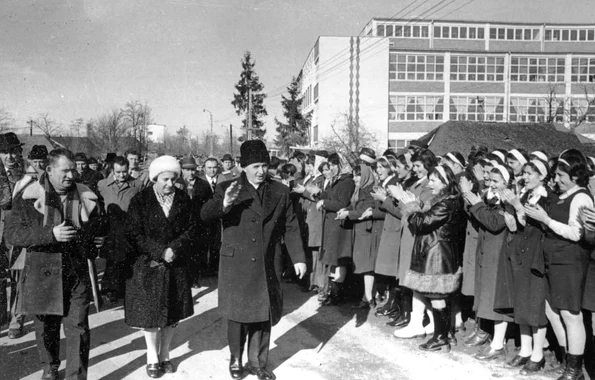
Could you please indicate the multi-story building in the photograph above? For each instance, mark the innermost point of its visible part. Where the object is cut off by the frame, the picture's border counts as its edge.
(399, 79)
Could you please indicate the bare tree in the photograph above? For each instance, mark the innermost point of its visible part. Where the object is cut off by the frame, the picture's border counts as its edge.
(583, 109)
(50, 127)
(6, 119)
(137, 116)
(348, 136)
(109, 130)
(552, 102)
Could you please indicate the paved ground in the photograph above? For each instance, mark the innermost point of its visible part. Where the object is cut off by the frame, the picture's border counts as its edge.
(309, 343)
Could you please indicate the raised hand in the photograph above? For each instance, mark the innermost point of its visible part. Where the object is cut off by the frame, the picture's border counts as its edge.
(231, 193)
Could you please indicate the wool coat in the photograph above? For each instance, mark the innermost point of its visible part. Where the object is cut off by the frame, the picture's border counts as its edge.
(313, 216)
(250, 263)
(364, 256)
(489, 271)
(336, 246)
(437, 254)
(158, 294)
(387, 259)
(424, 194)
(469, 254)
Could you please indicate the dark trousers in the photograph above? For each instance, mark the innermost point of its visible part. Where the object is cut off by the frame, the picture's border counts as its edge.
(76, 330)
(258, 336)
(113, 277)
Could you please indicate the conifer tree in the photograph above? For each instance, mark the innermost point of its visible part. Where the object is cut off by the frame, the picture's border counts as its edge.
(250, 80)
(295, 130)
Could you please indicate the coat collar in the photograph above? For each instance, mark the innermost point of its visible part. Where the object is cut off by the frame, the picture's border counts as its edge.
(248, 194)
(36, 192)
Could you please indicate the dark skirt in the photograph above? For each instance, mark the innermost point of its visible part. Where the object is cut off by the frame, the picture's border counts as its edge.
(529, 296)
(589, 296)
(566, 266)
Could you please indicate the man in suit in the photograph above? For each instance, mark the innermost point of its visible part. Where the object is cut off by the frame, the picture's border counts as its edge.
(256, 214)
(86, 175)
(229, 166)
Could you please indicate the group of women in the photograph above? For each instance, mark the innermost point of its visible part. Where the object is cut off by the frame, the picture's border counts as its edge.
(512, 231)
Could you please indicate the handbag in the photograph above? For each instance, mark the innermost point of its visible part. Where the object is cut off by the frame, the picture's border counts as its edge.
(41, 281)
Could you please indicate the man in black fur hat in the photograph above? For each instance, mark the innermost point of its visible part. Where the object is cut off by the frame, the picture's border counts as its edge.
(256, 212)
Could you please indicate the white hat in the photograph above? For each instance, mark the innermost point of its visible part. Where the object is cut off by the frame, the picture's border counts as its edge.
(164, 164)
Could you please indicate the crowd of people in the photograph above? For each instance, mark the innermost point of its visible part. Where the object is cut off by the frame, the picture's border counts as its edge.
(505, 238)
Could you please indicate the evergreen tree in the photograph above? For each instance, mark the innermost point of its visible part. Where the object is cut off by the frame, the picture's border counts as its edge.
(295, 130)
(250, 80)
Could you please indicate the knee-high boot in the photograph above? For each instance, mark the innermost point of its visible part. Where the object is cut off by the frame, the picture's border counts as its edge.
(439, 342)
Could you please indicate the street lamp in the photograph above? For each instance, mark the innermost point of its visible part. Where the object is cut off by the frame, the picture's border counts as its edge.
(211, 136)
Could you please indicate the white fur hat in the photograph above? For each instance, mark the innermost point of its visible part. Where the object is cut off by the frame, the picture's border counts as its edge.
(164, 164)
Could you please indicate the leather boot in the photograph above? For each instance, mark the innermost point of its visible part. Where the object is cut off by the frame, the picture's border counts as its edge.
(334, 294)
(475, 330)
(404, 317)
(479, 338)
(439, 342)
(574, 368)
(561, 356)
(391, 306)
(414, 329)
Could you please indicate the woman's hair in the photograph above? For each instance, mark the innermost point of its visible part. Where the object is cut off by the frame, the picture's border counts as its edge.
(334, 159)
(496, 170)
(534, 167)
(494, 157)
(311, 160)
(288, 170)
(574, 163)
(403, 160)
(387, 162)
(523, 153)
(426, 157)
(322, 166)
(357, 170)
(450, 181)
(458, 156)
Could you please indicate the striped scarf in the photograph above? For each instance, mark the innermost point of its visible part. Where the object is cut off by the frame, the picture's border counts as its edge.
(165, 201)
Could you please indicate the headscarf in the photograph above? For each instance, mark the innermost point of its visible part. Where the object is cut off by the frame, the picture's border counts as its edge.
(367, 179)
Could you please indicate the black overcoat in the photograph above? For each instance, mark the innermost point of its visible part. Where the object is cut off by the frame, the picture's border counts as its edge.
(250, 264)
(157, 293)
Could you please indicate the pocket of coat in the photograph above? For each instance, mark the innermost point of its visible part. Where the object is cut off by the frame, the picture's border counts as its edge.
(227, 251)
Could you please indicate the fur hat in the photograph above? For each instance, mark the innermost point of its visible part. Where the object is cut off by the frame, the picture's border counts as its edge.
(253, 151)
(164, 164)
(38, 152)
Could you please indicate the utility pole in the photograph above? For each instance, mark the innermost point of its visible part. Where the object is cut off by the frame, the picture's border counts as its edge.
(30, 127)
(230, 140)
(211, 140)
(249, 115)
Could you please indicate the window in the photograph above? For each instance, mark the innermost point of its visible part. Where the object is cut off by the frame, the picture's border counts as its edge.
(406, 31)
(514, 34)
(583, 70)
(389, 30)
(395, 145)
(536, 110)
(437, 32)
(316, 92)
(476, 108)
(530, 69)
(380, 30)
(459, 32)
(416, 67)
(415, 107)
(315, 133)
(476, 68)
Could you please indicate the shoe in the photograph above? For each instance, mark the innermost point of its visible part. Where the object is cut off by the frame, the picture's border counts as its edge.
(16, 333)
(479, 339)
(435, 345)
(335, 296)
(262, 373)
(574, 368)
(561, 357)
(532, 367)
(439, 342)
(154, 371)
(167, 366)
(411, 331)
(489, 354)
(402, 321)
(518, 361)
(50, 374)
(313, 288)
(452, 338)
(235, 367)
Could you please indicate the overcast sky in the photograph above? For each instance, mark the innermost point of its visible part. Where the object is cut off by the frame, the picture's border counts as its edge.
(81, 58)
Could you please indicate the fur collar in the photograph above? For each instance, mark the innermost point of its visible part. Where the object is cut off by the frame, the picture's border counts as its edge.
(88, 198)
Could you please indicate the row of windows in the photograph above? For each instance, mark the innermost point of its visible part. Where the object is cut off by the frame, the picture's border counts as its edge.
(488, 108)
(407, 31)
(459, 32)
(394, 145)
(478, 33)
(570, 34)
(422, 67)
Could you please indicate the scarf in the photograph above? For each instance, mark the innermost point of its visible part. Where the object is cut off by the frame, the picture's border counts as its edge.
(55, 211)
(165, 201)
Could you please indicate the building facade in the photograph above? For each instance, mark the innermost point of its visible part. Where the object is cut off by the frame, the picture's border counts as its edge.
(399, 79)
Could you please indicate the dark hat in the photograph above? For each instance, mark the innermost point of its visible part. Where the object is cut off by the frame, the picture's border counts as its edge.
(38, 152)
(80, 156)
(322, 153)
(110, 157)
(253, 151)
(367, 155)
(9, 140)
(188, 162)
(227, 157)
(416, 145)
(92, 160)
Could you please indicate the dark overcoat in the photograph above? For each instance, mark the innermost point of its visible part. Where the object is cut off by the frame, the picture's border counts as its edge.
(157, 293)
(313, 216)
(489, 273)
(387, 260)
(250, 263)
(336, 234)
(364, 257)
